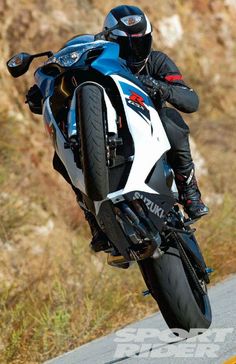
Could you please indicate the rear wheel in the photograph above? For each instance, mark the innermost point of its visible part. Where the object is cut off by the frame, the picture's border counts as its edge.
(93, 141)
(182, 305)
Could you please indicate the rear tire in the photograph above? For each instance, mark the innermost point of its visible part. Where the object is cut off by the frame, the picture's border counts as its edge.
(93, 142)
(167, 281)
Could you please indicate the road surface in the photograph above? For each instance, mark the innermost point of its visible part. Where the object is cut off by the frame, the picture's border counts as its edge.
(149, 341)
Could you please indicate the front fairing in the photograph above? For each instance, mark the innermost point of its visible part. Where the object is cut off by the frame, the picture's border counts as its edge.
(99, 56)
(44, 82)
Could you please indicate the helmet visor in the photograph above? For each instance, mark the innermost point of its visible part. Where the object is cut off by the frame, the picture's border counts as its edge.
(135, 48)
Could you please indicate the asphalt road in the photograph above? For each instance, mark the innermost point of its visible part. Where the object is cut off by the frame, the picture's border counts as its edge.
(149, 341)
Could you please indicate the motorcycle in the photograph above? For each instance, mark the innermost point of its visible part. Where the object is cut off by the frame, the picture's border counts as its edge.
(107, 133)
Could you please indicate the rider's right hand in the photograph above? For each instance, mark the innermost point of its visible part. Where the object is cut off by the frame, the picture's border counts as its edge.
(155, 87)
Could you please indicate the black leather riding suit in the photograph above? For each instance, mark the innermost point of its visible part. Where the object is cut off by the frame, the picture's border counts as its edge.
(183, 98)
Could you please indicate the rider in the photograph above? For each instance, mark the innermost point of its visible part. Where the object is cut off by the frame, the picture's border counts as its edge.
(164, 82)
(130, 28)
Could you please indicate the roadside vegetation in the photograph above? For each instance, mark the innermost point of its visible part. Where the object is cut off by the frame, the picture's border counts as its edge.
(55, 294)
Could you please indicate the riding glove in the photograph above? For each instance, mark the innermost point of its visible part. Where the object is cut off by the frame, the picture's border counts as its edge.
(34, 100)
(155, 87)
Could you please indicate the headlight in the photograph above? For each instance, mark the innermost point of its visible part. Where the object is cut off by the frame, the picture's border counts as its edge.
(67, 56)
(66, 60)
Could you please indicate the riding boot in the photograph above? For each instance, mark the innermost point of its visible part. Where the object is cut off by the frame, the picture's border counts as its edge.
(180, 159)
(99, 240)
(190, 195)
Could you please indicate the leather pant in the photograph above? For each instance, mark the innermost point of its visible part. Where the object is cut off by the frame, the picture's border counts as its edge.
(179, 156)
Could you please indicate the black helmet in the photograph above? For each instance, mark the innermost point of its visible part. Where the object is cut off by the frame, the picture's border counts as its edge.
(131, 29)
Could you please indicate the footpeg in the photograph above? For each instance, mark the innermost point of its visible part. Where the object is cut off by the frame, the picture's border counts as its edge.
(190, 221)
(117, 261)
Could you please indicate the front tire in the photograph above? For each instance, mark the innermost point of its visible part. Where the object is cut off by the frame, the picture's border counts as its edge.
(93, 141)
(169, 285)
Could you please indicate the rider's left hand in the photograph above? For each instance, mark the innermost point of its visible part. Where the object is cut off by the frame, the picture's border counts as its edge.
(34, 99)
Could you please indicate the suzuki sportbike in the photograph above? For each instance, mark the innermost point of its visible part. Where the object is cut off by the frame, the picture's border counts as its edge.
(108, 134)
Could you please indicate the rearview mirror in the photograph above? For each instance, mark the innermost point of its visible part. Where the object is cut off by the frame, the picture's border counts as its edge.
(19, 64)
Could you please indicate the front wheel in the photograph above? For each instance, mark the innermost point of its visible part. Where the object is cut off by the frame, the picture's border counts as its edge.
(182, 306)
(93, 141)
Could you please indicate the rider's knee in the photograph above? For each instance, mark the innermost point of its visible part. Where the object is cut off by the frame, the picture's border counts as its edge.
(173, 120)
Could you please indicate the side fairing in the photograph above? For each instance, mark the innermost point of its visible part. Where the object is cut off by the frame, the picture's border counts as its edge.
(65, 154)
(150, 140)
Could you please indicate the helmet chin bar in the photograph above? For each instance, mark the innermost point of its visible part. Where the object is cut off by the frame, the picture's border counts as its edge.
(139, 65)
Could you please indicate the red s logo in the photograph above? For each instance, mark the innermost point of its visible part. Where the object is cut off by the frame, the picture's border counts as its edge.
(137, 98)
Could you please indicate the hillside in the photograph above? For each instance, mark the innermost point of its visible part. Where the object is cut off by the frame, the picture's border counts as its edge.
(54, 294)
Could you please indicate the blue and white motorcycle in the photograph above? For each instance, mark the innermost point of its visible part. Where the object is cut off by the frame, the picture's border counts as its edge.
(109, 136)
